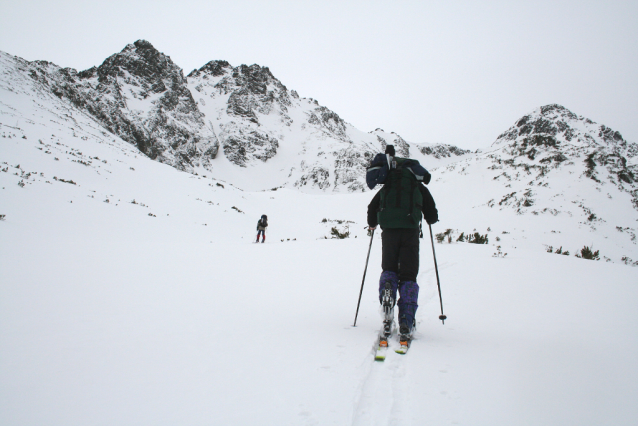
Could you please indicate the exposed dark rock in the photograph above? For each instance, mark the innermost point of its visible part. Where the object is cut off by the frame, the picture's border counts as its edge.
(242, 144)
(317, 176)
(214, 68)
(443, 151)
(553, 135)
(170, 129)
(329, 122)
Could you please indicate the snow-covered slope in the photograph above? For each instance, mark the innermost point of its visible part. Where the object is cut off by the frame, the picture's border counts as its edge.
(131, 291)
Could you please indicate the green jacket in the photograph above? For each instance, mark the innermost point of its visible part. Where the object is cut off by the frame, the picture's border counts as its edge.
(401, 201)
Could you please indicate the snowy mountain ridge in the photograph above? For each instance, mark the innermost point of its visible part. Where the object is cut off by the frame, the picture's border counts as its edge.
(240, 127)
(244, 112)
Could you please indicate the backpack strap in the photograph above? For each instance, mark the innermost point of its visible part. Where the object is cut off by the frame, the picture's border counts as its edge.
(398, 191)
(413, 185)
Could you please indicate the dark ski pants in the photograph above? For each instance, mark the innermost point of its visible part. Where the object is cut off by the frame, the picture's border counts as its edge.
(400, 264)
(400, 252)
(263, 235)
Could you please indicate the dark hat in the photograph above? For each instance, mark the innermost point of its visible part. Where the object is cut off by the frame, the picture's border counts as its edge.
(389, 150)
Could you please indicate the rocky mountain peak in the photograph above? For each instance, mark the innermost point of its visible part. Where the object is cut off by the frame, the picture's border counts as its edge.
(140, 95)
(143, 61)
(553, 125)
(214, 68)
(254, 78)
(554, 138)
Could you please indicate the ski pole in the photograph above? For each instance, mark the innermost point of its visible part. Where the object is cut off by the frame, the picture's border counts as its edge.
(364, 279)
(438, 283)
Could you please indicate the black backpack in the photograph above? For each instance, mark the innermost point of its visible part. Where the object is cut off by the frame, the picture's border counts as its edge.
(401, 200)
(382, 164)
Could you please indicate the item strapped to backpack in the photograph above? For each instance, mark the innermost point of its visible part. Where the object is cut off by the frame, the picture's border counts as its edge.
(382, 164)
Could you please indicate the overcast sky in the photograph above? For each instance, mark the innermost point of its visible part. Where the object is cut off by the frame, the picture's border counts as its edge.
(457, 72)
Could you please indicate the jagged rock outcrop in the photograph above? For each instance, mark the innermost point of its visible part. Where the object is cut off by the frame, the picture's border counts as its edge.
(241, 98)
(242, 143)
(140, 95)
(443, 151)
(401, 147)
(328, 122)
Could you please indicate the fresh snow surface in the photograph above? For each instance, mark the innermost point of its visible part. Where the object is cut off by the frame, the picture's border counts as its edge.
(164, 311)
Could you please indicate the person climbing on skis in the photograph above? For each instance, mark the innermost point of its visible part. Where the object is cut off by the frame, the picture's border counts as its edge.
(397, 208)
(262, 224)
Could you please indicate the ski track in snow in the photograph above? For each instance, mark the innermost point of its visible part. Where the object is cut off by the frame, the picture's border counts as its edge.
(378, 397)
(383, 394)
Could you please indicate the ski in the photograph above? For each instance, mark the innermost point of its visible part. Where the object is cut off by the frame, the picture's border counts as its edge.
(381, 351)
(387, 329)
(403, 349)
(384, 337)
(404, 343)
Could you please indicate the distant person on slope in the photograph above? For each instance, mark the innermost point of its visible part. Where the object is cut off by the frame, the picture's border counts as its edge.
(397, 208)
(262, 224)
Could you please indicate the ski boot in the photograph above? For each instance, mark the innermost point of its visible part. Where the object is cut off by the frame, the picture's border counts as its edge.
(405, 336)
(387, 304)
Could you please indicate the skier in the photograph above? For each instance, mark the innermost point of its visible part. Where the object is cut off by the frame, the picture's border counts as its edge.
(262, 224)
(397, 208)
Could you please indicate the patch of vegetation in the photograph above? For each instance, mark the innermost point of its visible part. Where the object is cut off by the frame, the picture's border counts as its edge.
(628, 261)
(340, 235)
(65, 181)
(442, 236)
(337, 221)
(505, 198)
(477, 238)
(499, 253)
(587, 253)
(559, 250)
(473, 238)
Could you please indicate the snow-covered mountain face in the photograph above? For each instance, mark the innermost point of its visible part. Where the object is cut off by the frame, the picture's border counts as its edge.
(552, 138)
(258, 121)
(561, 177)
(267, 135)
(140, 95)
